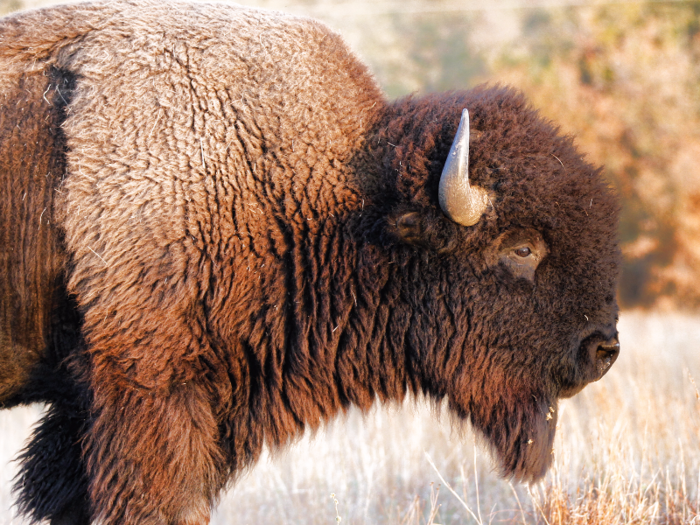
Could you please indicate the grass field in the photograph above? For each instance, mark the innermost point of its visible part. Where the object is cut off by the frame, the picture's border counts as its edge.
(627, 451)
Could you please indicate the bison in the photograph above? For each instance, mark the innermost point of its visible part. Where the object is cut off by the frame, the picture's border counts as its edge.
(217, 232)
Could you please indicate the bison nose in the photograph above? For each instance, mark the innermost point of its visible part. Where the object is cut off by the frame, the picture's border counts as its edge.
(596, 354)
(605, 355)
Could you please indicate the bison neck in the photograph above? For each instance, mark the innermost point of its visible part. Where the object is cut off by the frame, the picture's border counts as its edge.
(319, 311)
(325, 326)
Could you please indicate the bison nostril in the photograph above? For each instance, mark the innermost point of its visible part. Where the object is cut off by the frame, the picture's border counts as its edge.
(608, 349)
(606, 353)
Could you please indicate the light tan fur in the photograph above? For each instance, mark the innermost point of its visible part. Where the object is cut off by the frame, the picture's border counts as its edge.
(175, 108)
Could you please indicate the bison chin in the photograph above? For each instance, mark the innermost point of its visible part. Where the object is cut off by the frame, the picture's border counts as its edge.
(520, 435)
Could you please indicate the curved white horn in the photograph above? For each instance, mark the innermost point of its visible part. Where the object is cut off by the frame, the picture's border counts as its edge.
(462, 203)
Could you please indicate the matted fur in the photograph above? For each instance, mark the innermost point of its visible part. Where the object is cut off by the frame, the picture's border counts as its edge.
(243, 238)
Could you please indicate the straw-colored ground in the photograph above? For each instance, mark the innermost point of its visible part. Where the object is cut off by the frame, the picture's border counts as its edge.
(628, 451)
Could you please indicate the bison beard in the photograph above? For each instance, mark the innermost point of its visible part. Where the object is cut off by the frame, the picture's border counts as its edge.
(520, 433)
(217, 233)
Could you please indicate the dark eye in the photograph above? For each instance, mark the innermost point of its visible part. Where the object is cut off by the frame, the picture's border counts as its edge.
(523, 251)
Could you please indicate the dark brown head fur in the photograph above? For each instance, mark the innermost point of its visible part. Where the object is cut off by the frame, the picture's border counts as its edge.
(500, 347)
(247, 240)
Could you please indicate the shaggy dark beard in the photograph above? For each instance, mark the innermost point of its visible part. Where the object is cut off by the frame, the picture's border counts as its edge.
(519, 433)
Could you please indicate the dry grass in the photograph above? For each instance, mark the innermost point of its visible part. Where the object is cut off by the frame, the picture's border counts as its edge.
(628, 451)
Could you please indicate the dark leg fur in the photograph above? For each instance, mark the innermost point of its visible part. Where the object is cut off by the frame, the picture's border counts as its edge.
(52, 483)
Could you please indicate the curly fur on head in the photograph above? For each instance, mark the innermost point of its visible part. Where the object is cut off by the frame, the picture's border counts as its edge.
(245, 239)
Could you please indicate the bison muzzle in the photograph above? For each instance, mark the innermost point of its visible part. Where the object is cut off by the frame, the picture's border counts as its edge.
(217, 232)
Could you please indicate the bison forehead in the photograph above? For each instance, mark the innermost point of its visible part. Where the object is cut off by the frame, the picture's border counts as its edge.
(536, 176)
(517, 152)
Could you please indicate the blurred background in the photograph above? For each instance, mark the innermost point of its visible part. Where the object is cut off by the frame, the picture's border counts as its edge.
(623, 77)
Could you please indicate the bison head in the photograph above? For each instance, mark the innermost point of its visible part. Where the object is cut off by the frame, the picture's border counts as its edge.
(506, 238)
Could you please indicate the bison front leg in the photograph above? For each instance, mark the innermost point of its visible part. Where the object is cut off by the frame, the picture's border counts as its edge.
(152, 446)
(153, 456)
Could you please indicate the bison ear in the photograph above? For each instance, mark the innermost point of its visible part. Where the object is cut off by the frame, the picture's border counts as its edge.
(409, 228)
(421, 230)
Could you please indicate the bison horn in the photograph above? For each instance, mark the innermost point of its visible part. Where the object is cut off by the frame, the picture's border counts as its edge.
(462, 203)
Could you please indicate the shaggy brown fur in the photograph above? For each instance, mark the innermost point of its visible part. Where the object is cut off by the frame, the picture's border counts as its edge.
(243, 238)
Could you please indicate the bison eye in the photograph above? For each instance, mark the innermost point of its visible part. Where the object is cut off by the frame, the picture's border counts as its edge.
(520, 251)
